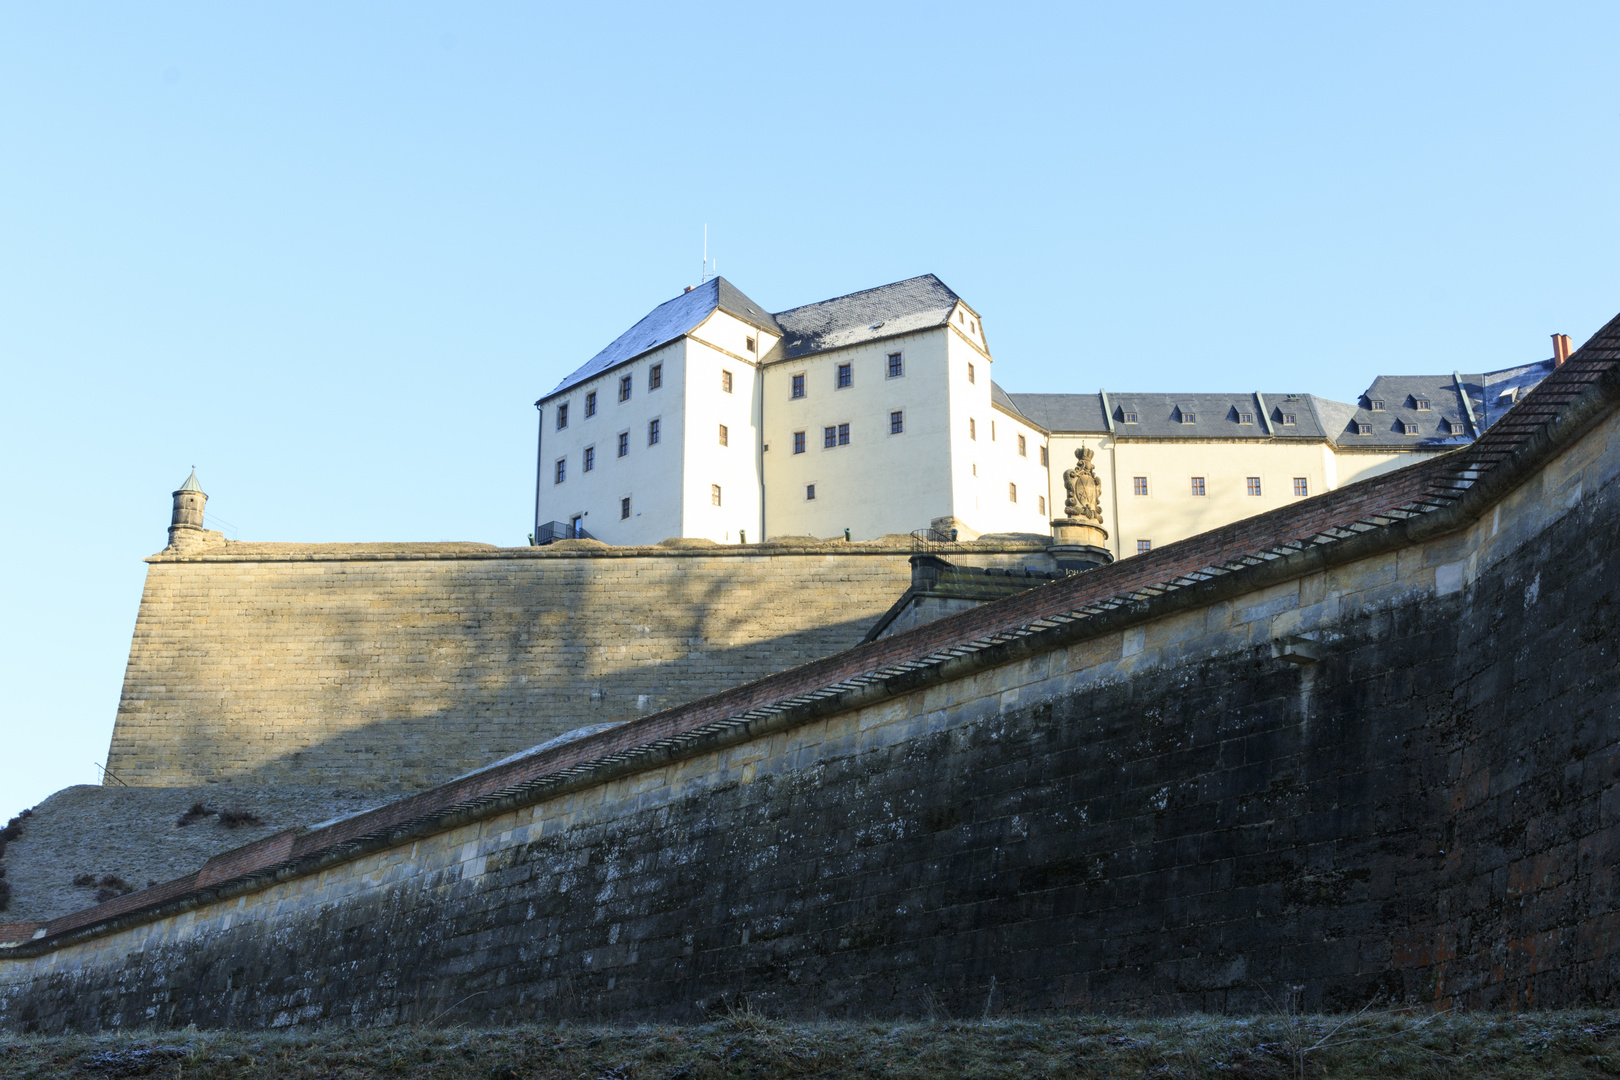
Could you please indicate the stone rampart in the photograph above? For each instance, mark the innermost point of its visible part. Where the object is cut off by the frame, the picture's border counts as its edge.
(397, 666)
(1368, 745)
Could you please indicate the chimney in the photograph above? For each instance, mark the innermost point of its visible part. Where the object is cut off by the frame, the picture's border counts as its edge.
(1561, 349)
(687, 289)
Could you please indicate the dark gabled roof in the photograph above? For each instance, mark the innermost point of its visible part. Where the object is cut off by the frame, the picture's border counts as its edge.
(918, 303)
(1401, 423)
(1163, 416)
(1000, 397)
(668, 321)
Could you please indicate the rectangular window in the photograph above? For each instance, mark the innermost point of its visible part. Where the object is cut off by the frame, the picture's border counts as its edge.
(1131, 418)
(1189, 417)
(724, 436)
(897, 422)
(1363, 429)
(1302, 487)
(1012, 492)
(1022, 450)
(1044, 461)
(897, 365)
(562, 416)
(973, 428)
(1375, 405)
(655, 376)
(846, 375)
(970, 372)
(798, 442)
(1198, 485)
(751, 345)
(1245, 417)
(1144, 546)
(624, 508)
(798, 386)
(624, 388)
(725, 379)
(562, 471)
(624, 443)
(714, 494)
(843, 434)
(1040, 504)
(652, 432)
(1289, 419)
(1422, 404)
(1251, 485)
(809, 493)
(590, 404)
(1138, 485)
(829, 437)
(590, 458)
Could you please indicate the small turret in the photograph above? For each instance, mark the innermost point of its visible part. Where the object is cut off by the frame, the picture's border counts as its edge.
(189, 502)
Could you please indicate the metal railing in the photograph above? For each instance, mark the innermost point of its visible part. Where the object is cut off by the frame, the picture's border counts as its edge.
(551, 531)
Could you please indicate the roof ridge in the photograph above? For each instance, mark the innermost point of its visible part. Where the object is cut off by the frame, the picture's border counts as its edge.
(863, 292)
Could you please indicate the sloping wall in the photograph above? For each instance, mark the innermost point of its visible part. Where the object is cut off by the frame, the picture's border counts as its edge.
(399, 666)
(1374, 750)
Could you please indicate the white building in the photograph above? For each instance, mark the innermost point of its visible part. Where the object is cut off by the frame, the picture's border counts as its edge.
(876, 413)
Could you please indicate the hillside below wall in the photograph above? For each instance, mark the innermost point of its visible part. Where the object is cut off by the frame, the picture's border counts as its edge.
(1157, 817)
(395, 667)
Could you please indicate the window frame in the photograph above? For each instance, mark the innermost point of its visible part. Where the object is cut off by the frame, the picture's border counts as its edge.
(588, 455)
(559, 472)
(1012, 491)
(1252, 487)
(725, 380)
(1023, 448)
(800, 442)
(843, 434)
(627, 387)
(1302, 487)
(1144, 546)
(714, 495)
(829, 436)
(624, 443)
(624, 508)
(796, 390)
(1139, 486)
(725, 436)
(897, 421)
(844, 376)
(1200, 487)
(655, 431)
(561, 412)
(972, 375)
(655, 377)
(809, 493)
(973, 429)
(895, 365)
(590, 404)
(751, 344)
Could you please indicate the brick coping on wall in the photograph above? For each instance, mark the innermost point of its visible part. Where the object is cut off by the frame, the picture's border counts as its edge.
(222, 550)
(1422, 501)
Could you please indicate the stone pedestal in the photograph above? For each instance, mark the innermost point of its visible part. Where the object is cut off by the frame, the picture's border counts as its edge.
(1080, 545)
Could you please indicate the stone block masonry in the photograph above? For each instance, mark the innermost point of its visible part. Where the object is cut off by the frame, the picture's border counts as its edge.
(400, 666)
(1117, 791)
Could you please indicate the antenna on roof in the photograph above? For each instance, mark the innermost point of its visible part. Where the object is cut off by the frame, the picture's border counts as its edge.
(704, 277)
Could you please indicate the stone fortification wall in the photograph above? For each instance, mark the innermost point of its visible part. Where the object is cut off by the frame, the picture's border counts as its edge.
(400, 666)
(1369, 745)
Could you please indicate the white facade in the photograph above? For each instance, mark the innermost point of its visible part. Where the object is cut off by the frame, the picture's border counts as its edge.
(876, 413)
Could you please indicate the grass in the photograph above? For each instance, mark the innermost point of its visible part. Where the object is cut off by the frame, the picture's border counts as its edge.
(1474, 1046)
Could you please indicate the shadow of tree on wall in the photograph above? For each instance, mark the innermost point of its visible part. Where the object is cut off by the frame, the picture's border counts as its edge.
(403, 675)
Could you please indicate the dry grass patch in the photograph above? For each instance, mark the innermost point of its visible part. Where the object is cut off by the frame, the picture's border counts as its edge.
(746, 1045)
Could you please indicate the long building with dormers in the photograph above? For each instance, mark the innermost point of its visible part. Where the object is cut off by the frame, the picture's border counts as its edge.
(877, 413)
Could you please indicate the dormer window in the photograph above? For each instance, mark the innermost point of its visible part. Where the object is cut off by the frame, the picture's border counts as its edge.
(1421, 404)
(1289, 419)
(1245, 417)
(1375, 405)
(1406, 428)
(1130, 417)
(1363, 429)
(1188, 417)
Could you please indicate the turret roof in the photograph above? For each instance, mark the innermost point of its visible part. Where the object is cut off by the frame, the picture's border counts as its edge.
(191, 482)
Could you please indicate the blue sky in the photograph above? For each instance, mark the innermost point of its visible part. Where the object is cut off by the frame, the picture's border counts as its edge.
(330, 254)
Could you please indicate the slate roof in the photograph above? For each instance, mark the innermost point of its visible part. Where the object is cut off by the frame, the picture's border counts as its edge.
(668, 321)
(1164, 416)
(1399, 422)
(918, 303)
(1503, 388)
